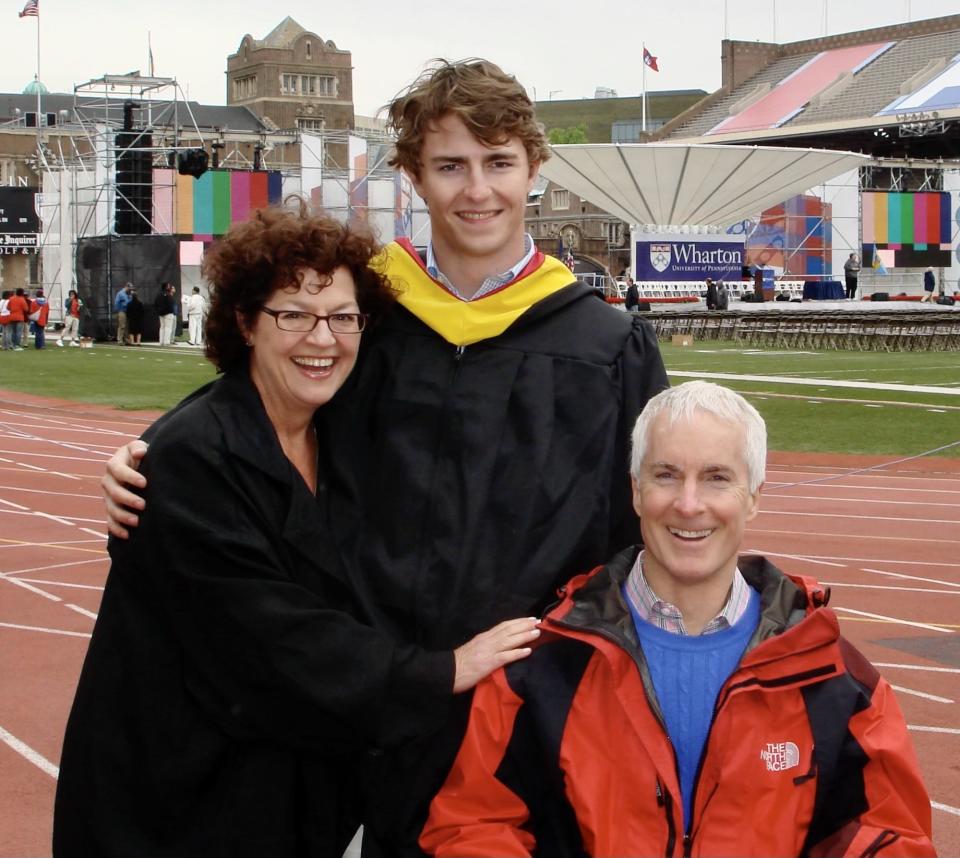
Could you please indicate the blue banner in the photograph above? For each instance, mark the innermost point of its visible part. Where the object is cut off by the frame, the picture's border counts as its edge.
(686, 258)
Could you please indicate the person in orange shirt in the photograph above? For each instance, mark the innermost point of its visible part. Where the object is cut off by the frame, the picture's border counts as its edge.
(39, 314)
(19, 309)
(71, 319)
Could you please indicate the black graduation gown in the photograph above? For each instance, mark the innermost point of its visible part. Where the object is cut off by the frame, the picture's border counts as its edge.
(487, 476)
(226, 692)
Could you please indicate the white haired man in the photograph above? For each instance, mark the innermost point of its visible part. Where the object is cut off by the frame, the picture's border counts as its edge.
(684, 699)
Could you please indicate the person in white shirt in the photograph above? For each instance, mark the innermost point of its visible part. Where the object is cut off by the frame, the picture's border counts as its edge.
(196, 310)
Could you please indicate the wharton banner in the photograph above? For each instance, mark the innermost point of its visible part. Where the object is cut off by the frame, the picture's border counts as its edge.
(687, 257)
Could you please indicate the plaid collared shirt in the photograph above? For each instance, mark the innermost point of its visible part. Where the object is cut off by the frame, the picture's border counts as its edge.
(491, 283)
(654, 610)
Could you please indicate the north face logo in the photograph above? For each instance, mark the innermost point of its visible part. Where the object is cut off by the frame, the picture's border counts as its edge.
(780, 756)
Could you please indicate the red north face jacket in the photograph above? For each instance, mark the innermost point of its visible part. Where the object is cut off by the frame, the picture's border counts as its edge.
(566, 753)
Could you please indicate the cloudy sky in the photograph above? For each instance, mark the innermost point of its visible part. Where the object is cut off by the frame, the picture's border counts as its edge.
(554, 49)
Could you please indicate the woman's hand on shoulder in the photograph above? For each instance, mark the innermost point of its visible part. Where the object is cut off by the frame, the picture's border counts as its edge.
(121, 503)
(492, 649)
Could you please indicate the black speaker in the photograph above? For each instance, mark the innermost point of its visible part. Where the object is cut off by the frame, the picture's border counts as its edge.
(946, 300)
(880, 296)
(192, 162)
(134, 204)
(643, 306)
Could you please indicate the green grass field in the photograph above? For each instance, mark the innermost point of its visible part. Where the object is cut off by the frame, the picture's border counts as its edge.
(803, 417)
(128, 378)
(850, 419)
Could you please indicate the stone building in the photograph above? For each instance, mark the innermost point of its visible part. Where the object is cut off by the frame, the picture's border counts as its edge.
(559, 222)
(293, 79)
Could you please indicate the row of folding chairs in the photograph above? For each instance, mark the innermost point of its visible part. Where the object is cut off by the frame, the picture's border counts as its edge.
(864, 332)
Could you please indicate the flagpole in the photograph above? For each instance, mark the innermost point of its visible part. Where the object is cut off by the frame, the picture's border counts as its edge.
(38, 72)
(643, 98)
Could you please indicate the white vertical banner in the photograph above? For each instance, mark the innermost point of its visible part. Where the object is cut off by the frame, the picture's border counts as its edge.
(403, 205)
(311, 169)
(951, 275)
(104, 180)
(357, 177)
(335, 198)
(380, 208)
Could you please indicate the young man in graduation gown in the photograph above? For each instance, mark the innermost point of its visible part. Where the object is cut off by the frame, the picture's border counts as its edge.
(495, 405)
(479, 452)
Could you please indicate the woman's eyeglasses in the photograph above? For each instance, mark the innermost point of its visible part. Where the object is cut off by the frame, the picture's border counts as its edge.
(301, 322)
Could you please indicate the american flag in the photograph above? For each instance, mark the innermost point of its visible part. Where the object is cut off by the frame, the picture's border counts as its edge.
(31, 9)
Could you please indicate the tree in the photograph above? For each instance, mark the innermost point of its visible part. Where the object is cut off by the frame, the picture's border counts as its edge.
(573, 134)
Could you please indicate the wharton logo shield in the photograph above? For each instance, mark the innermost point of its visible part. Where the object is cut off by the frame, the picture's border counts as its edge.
(660, 257)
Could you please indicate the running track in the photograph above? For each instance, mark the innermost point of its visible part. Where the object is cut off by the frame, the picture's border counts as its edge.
(887, 542)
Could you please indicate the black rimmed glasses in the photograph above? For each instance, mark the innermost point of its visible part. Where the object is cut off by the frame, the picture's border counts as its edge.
(302, 322)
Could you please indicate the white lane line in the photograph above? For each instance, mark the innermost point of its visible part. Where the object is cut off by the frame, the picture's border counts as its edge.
(70, 422)
(905, 502)
(898, 518)
(825, 382)
(858, 536)
(63, 584)
(19, 453)
(94, 532)
(885, 560)
(31, 588)
(887, 587)
(952, 731)
(45, 630)
(55, 566)
(824, 484)
(922, 694)
(29, 754)
(57, 494)
(913, 578)
(80, 610)
(65, 425)
(895, 620)
(798, 557)
(55, 518)
(62, 519)
(916, 667)
(14, 505)
(946, 808)
(21, 465)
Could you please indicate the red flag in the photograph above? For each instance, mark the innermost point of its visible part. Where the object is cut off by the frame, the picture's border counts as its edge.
(31, 9)
(650, 60)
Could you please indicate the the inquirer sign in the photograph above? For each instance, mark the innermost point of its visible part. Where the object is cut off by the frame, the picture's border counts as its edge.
(19, 224)
(689, 257)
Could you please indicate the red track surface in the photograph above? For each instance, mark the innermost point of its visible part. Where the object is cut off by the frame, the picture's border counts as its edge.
(887, 541)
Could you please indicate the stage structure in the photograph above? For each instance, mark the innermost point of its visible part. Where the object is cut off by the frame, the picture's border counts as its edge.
(705, 210)
(136, 176)
(102, 189)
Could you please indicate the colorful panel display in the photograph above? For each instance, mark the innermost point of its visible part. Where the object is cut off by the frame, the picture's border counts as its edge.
(796, 237)
(916, 227)
(210, 205)
(164, 183)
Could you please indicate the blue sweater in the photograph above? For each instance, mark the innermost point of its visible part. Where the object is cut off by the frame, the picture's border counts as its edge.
(687, 674)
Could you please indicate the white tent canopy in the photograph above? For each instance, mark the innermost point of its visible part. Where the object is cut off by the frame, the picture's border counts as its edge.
(701, 184)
